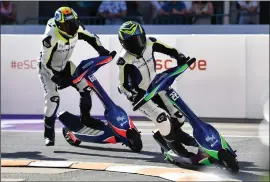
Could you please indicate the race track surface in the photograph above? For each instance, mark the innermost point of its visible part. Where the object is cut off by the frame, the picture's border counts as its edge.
(23, 139)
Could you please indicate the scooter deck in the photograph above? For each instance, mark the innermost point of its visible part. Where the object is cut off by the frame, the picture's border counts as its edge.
(71, 122)
(170, 156)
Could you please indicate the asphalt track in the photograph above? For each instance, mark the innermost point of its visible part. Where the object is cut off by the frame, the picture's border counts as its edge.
(23, 140)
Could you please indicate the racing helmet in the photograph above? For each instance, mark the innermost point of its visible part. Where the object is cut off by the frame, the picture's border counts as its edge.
(132, 37)
(66, 19)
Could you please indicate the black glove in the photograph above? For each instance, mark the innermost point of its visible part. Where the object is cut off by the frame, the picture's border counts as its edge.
(113, 54)
(103, 52)
(62, 82)
(137, 96)
(182, 59)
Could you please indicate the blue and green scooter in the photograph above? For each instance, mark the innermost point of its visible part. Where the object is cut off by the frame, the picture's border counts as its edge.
(207, 137)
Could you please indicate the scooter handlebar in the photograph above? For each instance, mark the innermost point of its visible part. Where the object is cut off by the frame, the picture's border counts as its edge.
(173, 73)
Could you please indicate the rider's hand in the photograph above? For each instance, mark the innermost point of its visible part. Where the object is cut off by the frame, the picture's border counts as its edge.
(136, 97)
(113, 54)
(103, 52)
(182, 59)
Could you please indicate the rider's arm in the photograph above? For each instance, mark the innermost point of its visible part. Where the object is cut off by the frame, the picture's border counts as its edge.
(93, 40)
(49, 46)
(128, 79)
(165, 49)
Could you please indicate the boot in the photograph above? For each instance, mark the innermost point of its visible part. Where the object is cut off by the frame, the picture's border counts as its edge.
(182, 136)
(85, 107)
(186, 139)
(91, 122)
(49, 133)
(178, 148)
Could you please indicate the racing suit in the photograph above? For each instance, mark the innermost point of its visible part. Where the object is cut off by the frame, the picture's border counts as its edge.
(55, 68)
(136, 74)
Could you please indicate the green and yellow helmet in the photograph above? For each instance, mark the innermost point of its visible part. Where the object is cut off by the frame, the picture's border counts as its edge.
(67, 21)
(132, 37)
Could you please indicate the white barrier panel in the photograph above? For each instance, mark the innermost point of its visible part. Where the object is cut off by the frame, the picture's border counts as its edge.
(219, 86)
(257, 69)
(21, 90)
(227, 80)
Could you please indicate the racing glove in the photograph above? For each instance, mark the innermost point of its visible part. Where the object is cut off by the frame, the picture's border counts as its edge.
(103, 52)
(134, 95)
(182, 59)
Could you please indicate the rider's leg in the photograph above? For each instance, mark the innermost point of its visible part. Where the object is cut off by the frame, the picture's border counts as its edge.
(176, 118)
(85, 102)
(174, 113)
(51, 105)
(166, 127)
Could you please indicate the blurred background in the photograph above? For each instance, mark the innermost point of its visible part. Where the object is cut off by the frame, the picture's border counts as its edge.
(145, 12)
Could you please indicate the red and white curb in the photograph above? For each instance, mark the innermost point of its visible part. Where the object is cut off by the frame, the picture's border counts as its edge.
(173, 174)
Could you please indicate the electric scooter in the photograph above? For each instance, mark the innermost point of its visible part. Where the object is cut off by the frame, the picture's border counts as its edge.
(207, 137)
(118, 128)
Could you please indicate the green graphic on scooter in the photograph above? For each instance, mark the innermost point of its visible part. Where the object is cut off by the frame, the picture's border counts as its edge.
(207, 137)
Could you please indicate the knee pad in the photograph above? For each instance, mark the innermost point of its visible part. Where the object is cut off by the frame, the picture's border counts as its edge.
(180, 117)
(52, 101)
(174, 130)
(163, 123)
(82, 86)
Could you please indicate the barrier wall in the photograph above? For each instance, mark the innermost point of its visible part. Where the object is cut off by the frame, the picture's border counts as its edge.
(228, 80)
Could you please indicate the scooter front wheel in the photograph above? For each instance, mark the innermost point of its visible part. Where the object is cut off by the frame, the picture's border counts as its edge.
(70, 138)
(134, 140)
(228, 160)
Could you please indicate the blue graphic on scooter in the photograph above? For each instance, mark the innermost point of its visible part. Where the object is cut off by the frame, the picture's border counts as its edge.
(118, 128)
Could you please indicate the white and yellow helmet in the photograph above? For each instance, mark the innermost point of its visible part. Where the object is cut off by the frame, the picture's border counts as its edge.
(67, 21)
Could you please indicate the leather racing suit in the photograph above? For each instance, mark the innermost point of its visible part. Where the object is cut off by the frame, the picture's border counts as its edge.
(54, 67)
(136, 74)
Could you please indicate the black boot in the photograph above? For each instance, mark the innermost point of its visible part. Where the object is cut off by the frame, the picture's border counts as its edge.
(182, 136)
(178, 148)
(85, 107)
(91, 122)
(49, 133)
(186, 139)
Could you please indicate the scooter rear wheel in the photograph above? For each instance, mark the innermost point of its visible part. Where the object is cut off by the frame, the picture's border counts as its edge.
(70, 138)
(134, 140)
(229, 161)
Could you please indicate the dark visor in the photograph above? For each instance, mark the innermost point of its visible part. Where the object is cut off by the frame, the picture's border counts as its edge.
(70, 26)
(135, 44)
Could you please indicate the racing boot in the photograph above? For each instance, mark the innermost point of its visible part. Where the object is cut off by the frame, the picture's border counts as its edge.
(91, 122)
(49, 133)
(85, 107)
(184, 137)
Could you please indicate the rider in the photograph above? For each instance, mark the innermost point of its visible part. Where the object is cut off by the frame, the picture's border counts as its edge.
(137, 69)
(55, 68)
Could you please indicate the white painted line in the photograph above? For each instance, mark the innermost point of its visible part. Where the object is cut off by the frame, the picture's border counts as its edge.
(12, 180)
(33, 170)
(197, 175)
(229, 136)
(143, 133)
(129, 168)
(50, 164)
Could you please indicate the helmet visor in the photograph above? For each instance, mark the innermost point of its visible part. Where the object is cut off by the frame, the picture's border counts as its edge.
(70, 26)
(135, 44)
